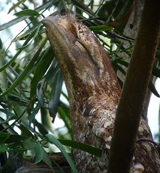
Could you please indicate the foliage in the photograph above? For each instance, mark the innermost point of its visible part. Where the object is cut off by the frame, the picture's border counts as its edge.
(31, 80)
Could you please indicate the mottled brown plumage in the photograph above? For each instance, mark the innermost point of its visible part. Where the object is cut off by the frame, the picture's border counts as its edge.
(94, 92)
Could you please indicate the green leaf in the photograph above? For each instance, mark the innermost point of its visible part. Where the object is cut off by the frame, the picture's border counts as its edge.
(40, 70)
(54, 68)
(124, 8)
(29, 144)
(53, 140)
(32, 37)
(153, 89)
(118, 67)
(16, 139)
(55, 95)
(18, 109)
(120, 61)
(120, 82)
(41, 87)
(19, 19)
(82, 8)
(9, 114)
(25, 130)
(38, 153)
(19, 140)
(11, 23)
(21, 92)
(156, 71)
(101, 28)
(17, 98)
(123, 19)
(113, 6)
(3, 168)
(32, 116)
(82, 146)
(27, 12)
(28, 31)
(16, 5)
(3, 148)
(158, 54)
(19, 150)
(41, 128)
(3, 137)
(65, 95)
(46, 159)
(25, 73)
(65, 116)
(17, 54)
(60, 169)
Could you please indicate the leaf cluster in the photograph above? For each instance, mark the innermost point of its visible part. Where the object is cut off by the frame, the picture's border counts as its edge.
(31, 81)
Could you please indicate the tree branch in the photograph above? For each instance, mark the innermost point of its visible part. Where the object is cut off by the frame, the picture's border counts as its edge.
(134, 90)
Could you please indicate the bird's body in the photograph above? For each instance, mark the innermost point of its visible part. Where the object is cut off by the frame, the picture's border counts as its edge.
(94, 93)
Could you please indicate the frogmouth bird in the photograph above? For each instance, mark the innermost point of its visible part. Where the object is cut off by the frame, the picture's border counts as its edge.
(94, 93)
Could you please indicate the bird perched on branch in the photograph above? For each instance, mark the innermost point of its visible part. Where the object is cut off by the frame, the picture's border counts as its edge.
(94, 93)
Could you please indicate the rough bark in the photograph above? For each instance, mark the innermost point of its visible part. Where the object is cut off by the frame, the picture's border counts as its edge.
(94, 93)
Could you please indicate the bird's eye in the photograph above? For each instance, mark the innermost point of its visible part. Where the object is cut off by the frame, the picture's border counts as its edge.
(63, 12)
(82, 44)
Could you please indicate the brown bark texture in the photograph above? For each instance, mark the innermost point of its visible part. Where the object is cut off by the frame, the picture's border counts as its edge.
(94, 93)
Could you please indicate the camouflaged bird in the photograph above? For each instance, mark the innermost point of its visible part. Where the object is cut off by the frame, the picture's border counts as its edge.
(94, 93)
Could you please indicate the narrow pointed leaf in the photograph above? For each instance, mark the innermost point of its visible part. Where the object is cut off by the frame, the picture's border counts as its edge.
(55, 95)
(27, 12)
(118, 67)
(9, 114)
(156, 71)
(158, 54)
(32, 37)
(124, 18)
(16, 139)
(40, 70)
(25, 131)
(17, 54)
(29, 144)
(101, 28)
(11, 23)
(3, 137)
(19, 19)
(64, 115)
(120, 61)
(40, 90)
(33, 114)
(82, 146)
(16, 5)
(113, 24)
(53, 140)
(28, 32)
(38, 153)
(41, 87)
(8, 163)
(41, 128)
(24, 74)
(46, 159)
(153, 89)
